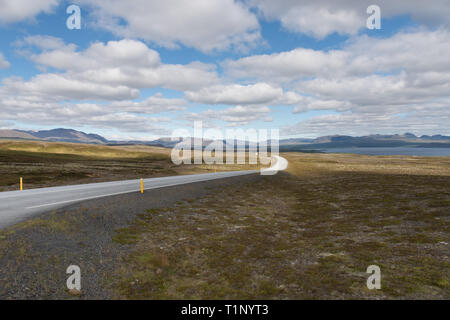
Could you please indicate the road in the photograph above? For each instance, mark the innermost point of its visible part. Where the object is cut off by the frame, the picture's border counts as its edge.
(279, 164)
(16, 206)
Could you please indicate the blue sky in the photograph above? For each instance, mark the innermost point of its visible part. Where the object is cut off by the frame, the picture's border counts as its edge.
(141, 69)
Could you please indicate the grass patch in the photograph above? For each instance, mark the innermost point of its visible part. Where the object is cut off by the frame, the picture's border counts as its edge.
(310, 234)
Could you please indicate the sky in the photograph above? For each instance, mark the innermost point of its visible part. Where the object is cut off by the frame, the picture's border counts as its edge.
(142, 69)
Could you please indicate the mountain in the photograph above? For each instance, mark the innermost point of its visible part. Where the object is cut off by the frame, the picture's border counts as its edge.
(60, 134)
(292, 144)
(68, 135)
(381, 141)
(436, 137)
(294, 141)
(15, 134)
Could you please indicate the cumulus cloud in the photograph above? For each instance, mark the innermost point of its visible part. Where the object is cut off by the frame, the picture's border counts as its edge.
(63, 87)
(115, 70)
(128, 117)
(321, 18)
(286, 66)
(18, 10)
(153, 104)
(3, 62)
(236, 94)
(415, 51)
(418, 122)
(369, 80)
(113, 54)
(408, 68)
(233, 116)
(202, 24)
(42, 42)
(251, 94)
(380, 84)
(111, 74)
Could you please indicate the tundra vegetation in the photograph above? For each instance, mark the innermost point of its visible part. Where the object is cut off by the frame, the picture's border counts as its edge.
(45, 164)
(308, 233)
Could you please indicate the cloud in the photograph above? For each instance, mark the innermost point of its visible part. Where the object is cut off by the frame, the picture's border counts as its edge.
(202, 24)
(370, 81)
(108, 77)
(415, 51)
(233, 116)
(236, 94)
(42, 42)
(323, 105)
(62, 87)
(113, 54)
(251, 94)
(410, 68)
(286, 66)
(115, 70)
(320, 18)
(127, 117)
(418, 122)
(3, 62)
(153, 104)
(18, 10)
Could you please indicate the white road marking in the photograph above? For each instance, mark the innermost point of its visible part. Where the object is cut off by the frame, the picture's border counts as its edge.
(66, 189)
(91, 185)
(113, 194)
(81, 199)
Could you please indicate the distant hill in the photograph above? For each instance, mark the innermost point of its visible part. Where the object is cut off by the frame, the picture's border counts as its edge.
(381, 141)
(68, 135)
(292, 144)
(16, 134)
(295, 141)
(60, 135)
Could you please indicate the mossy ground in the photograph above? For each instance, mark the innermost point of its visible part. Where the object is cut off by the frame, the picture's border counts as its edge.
(308, 234)
(45, 164)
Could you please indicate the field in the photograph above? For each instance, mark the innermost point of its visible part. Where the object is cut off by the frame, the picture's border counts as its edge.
(45, 164)
(308, 233)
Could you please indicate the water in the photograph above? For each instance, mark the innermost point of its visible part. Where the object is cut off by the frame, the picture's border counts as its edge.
(407, 151)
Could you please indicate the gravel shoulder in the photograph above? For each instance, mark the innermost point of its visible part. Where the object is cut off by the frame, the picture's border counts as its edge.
(35, 254)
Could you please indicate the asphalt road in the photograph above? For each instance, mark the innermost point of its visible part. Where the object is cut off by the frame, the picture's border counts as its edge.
(279, 164)
(16, 206)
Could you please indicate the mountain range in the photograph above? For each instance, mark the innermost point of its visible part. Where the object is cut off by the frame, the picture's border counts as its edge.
(292, 144)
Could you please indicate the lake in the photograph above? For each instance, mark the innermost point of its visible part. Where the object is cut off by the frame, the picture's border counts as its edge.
(407, 151)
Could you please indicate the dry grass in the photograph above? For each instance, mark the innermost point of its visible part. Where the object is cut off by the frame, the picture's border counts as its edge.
(44, 164)
(302, 164)
(306, 234)
(84, 150)
(309, 234)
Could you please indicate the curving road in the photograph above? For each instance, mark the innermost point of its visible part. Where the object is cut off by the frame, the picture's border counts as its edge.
(279, 165)
(16, 206)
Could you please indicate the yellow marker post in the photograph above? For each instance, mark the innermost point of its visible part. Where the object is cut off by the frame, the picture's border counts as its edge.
(215, 170)
(21, 184)
(142, 186)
